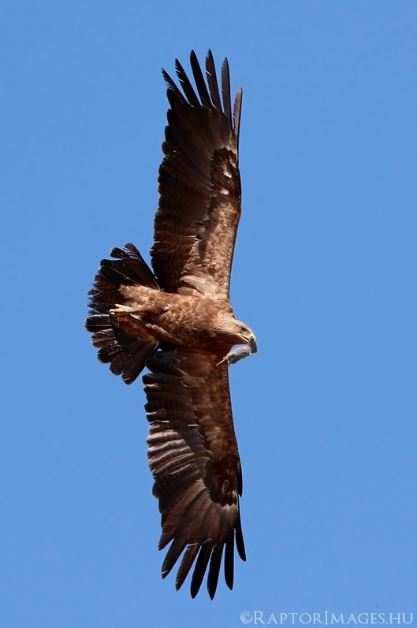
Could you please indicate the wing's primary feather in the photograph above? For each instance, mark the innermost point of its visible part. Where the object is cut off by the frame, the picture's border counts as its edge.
(186, 85)
(212, 81)
(237, 114)
(199, 184)
(194, 458)
(227, 106)
(199, 80)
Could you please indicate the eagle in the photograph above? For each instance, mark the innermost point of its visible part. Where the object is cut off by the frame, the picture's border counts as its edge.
(177, 321)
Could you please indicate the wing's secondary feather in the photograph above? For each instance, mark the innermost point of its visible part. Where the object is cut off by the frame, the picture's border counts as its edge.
(199, 184)
(194, 458)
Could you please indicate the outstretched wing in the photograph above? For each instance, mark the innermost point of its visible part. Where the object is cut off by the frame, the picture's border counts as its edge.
(199, 184)
(194, 458)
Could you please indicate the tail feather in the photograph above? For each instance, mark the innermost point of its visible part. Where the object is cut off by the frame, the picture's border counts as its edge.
(126, 355)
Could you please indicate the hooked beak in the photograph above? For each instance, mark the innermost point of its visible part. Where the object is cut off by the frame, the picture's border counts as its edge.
(252, 344)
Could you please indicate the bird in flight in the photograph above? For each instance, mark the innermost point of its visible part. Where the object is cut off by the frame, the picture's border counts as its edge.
(176, 320)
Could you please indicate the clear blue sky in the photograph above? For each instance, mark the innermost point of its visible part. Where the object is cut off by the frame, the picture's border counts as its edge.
(325, 273)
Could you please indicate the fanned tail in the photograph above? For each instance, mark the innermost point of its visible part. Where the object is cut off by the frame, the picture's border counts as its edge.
(125, 354)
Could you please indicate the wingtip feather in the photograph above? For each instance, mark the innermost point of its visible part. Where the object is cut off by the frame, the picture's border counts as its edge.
(227, 106)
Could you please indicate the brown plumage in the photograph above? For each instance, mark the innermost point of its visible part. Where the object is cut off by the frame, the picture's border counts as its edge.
(178, 322)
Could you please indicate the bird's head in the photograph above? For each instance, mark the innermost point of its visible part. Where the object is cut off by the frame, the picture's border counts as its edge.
(247, 336)
(243, 342)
